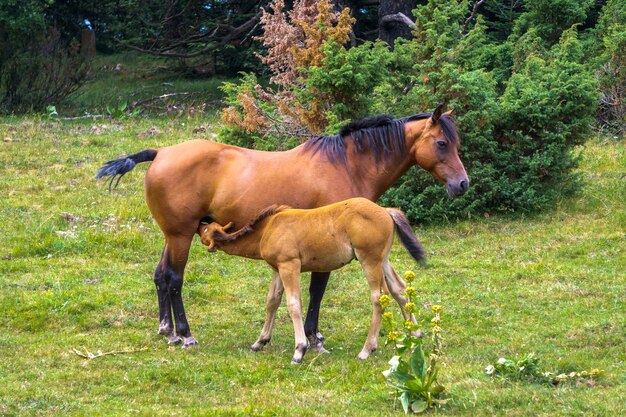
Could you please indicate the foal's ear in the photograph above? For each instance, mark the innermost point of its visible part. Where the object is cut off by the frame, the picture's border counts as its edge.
(437, 113)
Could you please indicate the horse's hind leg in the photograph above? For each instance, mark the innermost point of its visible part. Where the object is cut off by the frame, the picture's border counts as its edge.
(397, 288)
(274, 297)
(162, 282)
(175, 258)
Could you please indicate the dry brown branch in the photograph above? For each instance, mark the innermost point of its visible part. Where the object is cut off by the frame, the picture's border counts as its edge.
(154, 98)
(90, 355)
(472, 15)
(230, 33)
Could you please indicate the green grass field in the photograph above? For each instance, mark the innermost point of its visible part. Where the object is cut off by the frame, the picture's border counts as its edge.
(76, 266)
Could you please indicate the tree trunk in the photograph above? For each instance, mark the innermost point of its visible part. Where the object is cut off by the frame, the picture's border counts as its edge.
(88, 42)
(394, 20)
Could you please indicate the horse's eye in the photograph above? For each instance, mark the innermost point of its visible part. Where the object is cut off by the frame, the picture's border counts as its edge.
(441, 144)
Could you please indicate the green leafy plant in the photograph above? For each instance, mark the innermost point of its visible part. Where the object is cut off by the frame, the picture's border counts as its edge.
(527, 368)
(52, 111)
(121, 111)
(413, 373)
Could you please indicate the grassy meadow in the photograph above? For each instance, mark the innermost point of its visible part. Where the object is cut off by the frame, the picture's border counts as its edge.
(76, 266)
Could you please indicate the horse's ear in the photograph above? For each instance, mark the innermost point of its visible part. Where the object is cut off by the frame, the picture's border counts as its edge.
(437, 113)
(449, 112)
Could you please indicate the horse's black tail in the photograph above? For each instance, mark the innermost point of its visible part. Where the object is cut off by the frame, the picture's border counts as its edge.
(120, 166)
(407, 237)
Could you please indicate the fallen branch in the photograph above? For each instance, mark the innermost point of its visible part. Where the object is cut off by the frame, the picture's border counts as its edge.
(90, 355)
(161, 97)
(87, 116)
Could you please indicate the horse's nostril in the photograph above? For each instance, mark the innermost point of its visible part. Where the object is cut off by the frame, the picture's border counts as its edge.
(463, 185)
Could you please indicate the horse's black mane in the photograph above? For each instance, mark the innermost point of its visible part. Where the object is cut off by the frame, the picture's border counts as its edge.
(382, 135)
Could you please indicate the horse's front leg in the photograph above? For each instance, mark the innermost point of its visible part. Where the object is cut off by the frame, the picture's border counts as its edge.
(290, 276)
(176, 255)
(319, 280)
(374, 273)
(274, 297)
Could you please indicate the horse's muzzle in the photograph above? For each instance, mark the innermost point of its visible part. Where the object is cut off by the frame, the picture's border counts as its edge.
(458, 187)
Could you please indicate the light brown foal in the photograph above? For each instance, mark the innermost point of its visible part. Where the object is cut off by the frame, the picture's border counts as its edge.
(292, 241)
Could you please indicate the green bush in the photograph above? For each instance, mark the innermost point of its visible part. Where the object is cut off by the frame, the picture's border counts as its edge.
(517, 134)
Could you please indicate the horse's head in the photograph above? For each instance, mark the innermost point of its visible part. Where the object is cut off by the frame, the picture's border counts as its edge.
(436, 149)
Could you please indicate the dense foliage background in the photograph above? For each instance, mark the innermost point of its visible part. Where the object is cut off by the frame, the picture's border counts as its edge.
(524, 84)
(527, 79)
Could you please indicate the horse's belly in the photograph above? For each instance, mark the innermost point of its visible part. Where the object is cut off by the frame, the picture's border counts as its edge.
(326, 259)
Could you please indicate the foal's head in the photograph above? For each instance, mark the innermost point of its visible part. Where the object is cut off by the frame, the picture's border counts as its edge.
(437, 150)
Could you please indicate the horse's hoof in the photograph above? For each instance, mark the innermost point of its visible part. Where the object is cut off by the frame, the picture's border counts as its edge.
(258, 345)
(316, 344)
(296, 361)
(174, 340)
(189, 342)
(318, 349)
(363, 355)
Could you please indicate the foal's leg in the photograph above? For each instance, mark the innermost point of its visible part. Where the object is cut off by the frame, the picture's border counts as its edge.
(374, 273)
(290, 276)
(274, 297)
(397, 288)
(177, 253)
(319, 280)
(162, 282)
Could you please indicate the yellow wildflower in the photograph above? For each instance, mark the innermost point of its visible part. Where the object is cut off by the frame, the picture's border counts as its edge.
(384, 301)
(410, 292)
(393, 335)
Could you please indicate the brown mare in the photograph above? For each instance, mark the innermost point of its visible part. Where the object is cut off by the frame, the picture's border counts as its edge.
(207, 181)
(326, 238)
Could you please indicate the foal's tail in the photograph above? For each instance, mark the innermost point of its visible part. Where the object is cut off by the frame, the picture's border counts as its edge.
(121, 166)
(407, 237)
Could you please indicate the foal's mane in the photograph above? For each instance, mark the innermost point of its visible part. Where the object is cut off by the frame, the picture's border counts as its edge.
(263, 214)
(382, 135)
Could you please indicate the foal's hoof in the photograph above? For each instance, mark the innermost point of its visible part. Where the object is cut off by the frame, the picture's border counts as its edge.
(258, 345)
(189, 342)
(363, 355)
(296, 361)
(316, 343)
(417, 333)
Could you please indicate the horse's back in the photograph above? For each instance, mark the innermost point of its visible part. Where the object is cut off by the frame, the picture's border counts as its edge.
(325, 238)
(199, 178)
